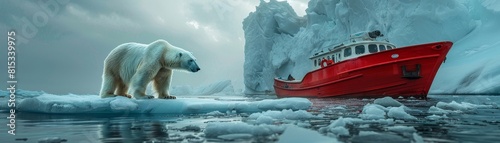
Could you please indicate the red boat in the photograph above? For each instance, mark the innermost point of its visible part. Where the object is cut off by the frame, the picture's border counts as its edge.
(365, 67)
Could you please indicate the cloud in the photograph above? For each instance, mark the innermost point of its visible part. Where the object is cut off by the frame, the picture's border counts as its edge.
(66, 55)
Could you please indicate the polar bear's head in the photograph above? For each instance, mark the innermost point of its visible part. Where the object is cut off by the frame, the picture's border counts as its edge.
(188, 62)
(175, 57)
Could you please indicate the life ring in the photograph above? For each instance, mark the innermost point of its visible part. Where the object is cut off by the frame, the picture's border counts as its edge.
(328, 62)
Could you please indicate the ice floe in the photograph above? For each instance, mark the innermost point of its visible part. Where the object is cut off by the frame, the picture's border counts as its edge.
(48, 103)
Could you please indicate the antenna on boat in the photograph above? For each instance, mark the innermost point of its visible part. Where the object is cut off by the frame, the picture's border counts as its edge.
(349, 23)
(349, 27)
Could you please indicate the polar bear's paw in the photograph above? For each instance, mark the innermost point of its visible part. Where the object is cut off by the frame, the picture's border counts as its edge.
(126, 95)
(166, 97)
(144, 97)
(108, 96)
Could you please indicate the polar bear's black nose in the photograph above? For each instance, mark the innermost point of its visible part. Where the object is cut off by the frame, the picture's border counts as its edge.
(197, 69)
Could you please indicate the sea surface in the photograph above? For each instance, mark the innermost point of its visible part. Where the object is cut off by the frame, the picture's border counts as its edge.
(475, 125)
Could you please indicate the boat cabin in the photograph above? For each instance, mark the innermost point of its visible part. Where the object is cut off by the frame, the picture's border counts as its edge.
(352, 50)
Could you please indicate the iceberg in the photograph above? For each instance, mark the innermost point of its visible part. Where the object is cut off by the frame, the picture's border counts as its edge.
(279, 43)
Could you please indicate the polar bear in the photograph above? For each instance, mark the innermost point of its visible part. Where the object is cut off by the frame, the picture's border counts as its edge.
(135, 65)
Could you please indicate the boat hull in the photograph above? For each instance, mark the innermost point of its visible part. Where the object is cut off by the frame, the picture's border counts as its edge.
(406, 71)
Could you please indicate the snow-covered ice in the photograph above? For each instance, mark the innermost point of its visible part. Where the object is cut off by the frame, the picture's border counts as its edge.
(436, 117)
(402, 129)
(337, 127)
(400, 113)
(373, 111)
(284, 114)
(463, 106)
(48, 103)
(387, 102)
(279, 43)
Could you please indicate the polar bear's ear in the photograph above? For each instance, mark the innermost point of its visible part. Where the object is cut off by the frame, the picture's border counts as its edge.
(180, 55)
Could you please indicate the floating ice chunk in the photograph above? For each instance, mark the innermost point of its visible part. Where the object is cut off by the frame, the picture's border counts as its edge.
(337, 127)
(373, 111)
(48, 103)
(340, 122)
(339, 108)
(367, 133)
(294, 134)
(284, 114)
(437, 110)
(264, 120)
(399, 113)
(402, 129)
(464, 106)
(339, 131)
(232, 137)
(214, 130)
(380, 121)
(215, 113)
(304, 124)
(436, 117)
(289, 103)
(417, 138)
(455, 107)
(387, 102)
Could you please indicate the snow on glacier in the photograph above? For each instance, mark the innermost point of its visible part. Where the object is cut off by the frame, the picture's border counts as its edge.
(279, 43)
(48, 103)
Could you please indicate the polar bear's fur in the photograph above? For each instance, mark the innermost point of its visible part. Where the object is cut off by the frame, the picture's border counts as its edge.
(134, 65)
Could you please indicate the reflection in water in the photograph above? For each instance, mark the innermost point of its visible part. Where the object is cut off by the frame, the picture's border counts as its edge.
(90, 128)
(117, 131)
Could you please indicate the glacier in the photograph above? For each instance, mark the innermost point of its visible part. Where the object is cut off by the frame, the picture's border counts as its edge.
(279, 42)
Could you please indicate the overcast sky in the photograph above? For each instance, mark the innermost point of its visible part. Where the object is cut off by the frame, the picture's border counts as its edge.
(64, 48)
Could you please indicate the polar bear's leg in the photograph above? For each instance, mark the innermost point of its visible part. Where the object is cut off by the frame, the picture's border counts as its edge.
(140, 81)
(162, 83)
(122, 89)
(108, 86)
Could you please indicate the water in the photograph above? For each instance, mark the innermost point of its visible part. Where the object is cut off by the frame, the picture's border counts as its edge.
(478, 125)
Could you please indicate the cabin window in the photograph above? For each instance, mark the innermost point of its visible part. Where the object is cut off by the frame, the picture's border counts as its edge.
(360, 49)
(329, 58)
(347, 52)
(315, 62)
(372, 48)
(319, 62)
(381, 48)
(389, 47)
